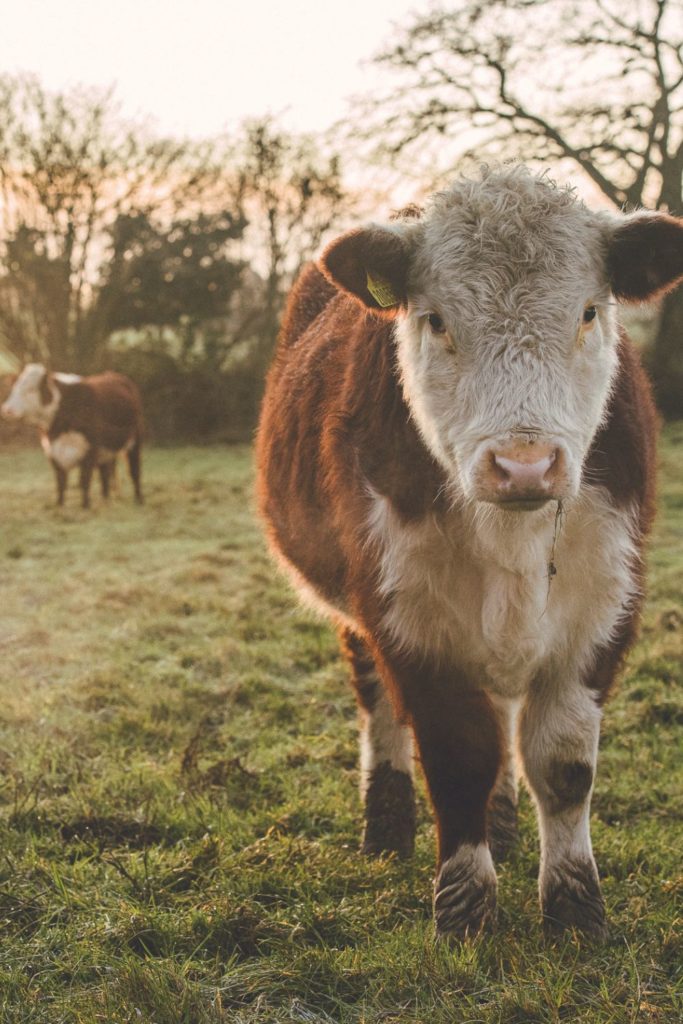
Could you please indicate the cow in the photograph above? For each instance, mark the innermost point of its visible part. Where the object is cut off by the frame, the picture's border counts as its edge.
(456, 459)
(84, 421)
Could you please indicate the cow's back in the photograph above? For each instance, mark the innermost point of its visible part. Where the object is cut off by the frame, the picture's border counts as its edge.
(310, 295)
(118, 399)
(106, 408)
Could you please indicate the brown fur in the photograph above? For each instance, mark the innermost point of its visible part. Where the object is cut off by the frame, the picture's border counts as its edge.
(458, 741)
(363, 672)
(107, 410)
(645, 257)
(349, 258)
(623, 459)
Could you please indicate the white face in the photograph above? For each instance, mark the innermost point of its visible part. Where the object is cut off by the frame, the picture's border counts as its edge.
(508, 348)
(26, 400)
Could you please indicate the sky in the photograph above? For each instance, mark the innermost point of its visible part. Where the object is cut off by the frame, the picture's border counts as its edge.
(201, 66)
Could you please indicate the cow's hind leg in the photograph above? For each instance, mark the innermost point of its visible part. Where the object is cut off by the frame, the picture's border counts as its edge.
(106, 472)
(502, 808)
(559, 743)
(386, 759)
(133, 455)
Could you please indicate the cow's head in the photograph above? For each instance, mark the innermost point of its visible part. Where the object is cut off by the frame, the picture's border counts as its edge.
(504, 296)
(34, 397)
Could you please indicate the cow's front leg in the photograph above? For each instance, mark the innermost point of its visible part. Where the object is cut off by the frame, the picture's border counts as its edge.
(86, 471)
(386, 759)
(60, 478)
(459, 743)
(559, 730)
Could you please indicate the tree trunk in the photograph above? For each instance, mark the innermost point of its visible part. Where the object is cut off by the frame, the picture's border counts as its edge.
(666, 359)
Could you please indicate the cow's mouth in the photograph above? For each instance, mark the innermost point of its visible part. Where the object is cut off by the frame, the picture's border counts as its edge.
(522, 504)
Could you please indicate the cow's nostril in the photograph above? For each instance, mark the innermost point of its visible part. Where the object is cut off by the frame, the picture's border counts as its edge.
(498, 468)
(526, 471)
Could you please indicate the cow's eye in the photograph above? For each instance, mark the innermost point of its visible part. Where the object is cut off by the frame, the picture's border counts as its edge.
(589, 314)
(436, 323)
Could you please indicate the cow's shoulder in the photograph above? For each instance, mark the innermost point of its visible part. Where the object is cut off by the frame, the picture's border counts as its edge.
(368, 432)
(77, 406)
(622, 457)
(310, 295)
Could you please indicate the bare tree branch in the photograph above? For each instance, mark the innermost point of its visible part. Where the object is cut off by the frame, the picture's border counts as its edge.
(70, 167)
(498, 64)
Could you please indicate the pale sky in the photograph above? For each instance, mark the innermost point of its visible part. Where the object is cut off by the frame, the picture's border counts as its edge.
(199, 66)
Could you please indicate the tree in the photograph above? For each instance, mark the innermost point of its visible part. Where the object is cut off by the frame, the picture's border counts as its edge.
(160, 276)
(599, 85)
(72, 173)
(293, 195)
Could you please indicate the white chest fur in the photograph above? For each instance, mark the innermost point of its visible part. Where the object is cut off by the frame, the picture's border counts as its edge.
(67, 450)
(473, 589)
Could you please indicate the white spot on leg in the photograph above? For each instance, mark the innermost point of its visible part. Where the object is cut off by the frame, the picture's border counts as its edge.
(565, 839)
(472, 861)
(465, 891)
(559, 744)
(383, 740)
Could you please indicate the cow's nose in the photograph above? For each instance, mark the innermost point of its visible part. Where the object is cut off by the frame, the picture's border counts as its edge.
(524, 474)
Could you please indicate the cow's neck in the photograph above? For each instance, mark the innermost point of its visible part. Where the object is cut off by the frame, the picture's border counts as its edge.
(520, 542)
(46, 417)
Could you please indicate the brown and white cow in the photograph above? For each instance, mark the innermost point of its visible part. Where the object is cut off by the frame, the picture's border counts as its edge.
(84, 421)
(456, 463)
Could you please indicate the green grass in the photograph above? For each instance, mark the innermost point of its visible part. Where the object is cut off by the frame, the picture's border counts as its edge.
(179, 789)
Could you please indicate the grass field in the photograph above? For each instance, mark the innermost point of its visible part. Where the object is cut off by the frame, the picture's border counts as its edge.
(180, 816)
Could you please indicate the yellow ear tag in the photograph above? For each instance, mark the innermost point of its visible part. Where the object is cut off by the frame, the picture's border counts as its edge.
(381, 291)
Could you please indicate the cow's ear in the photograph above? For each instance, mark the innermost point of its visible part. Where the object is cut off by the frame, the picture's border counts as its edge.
(45, 390)
(645, 257)
(371, 264)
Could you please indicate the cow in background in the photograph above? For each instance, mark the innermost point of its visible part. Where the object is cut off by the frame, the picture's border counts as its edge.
(84, 421)
(456, 462)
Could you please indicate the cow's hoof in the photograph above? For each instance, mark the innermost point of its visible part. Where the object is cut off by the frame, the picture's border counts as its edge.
(502, 826)
(389, 813)
(571, 899)
(465, 894)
